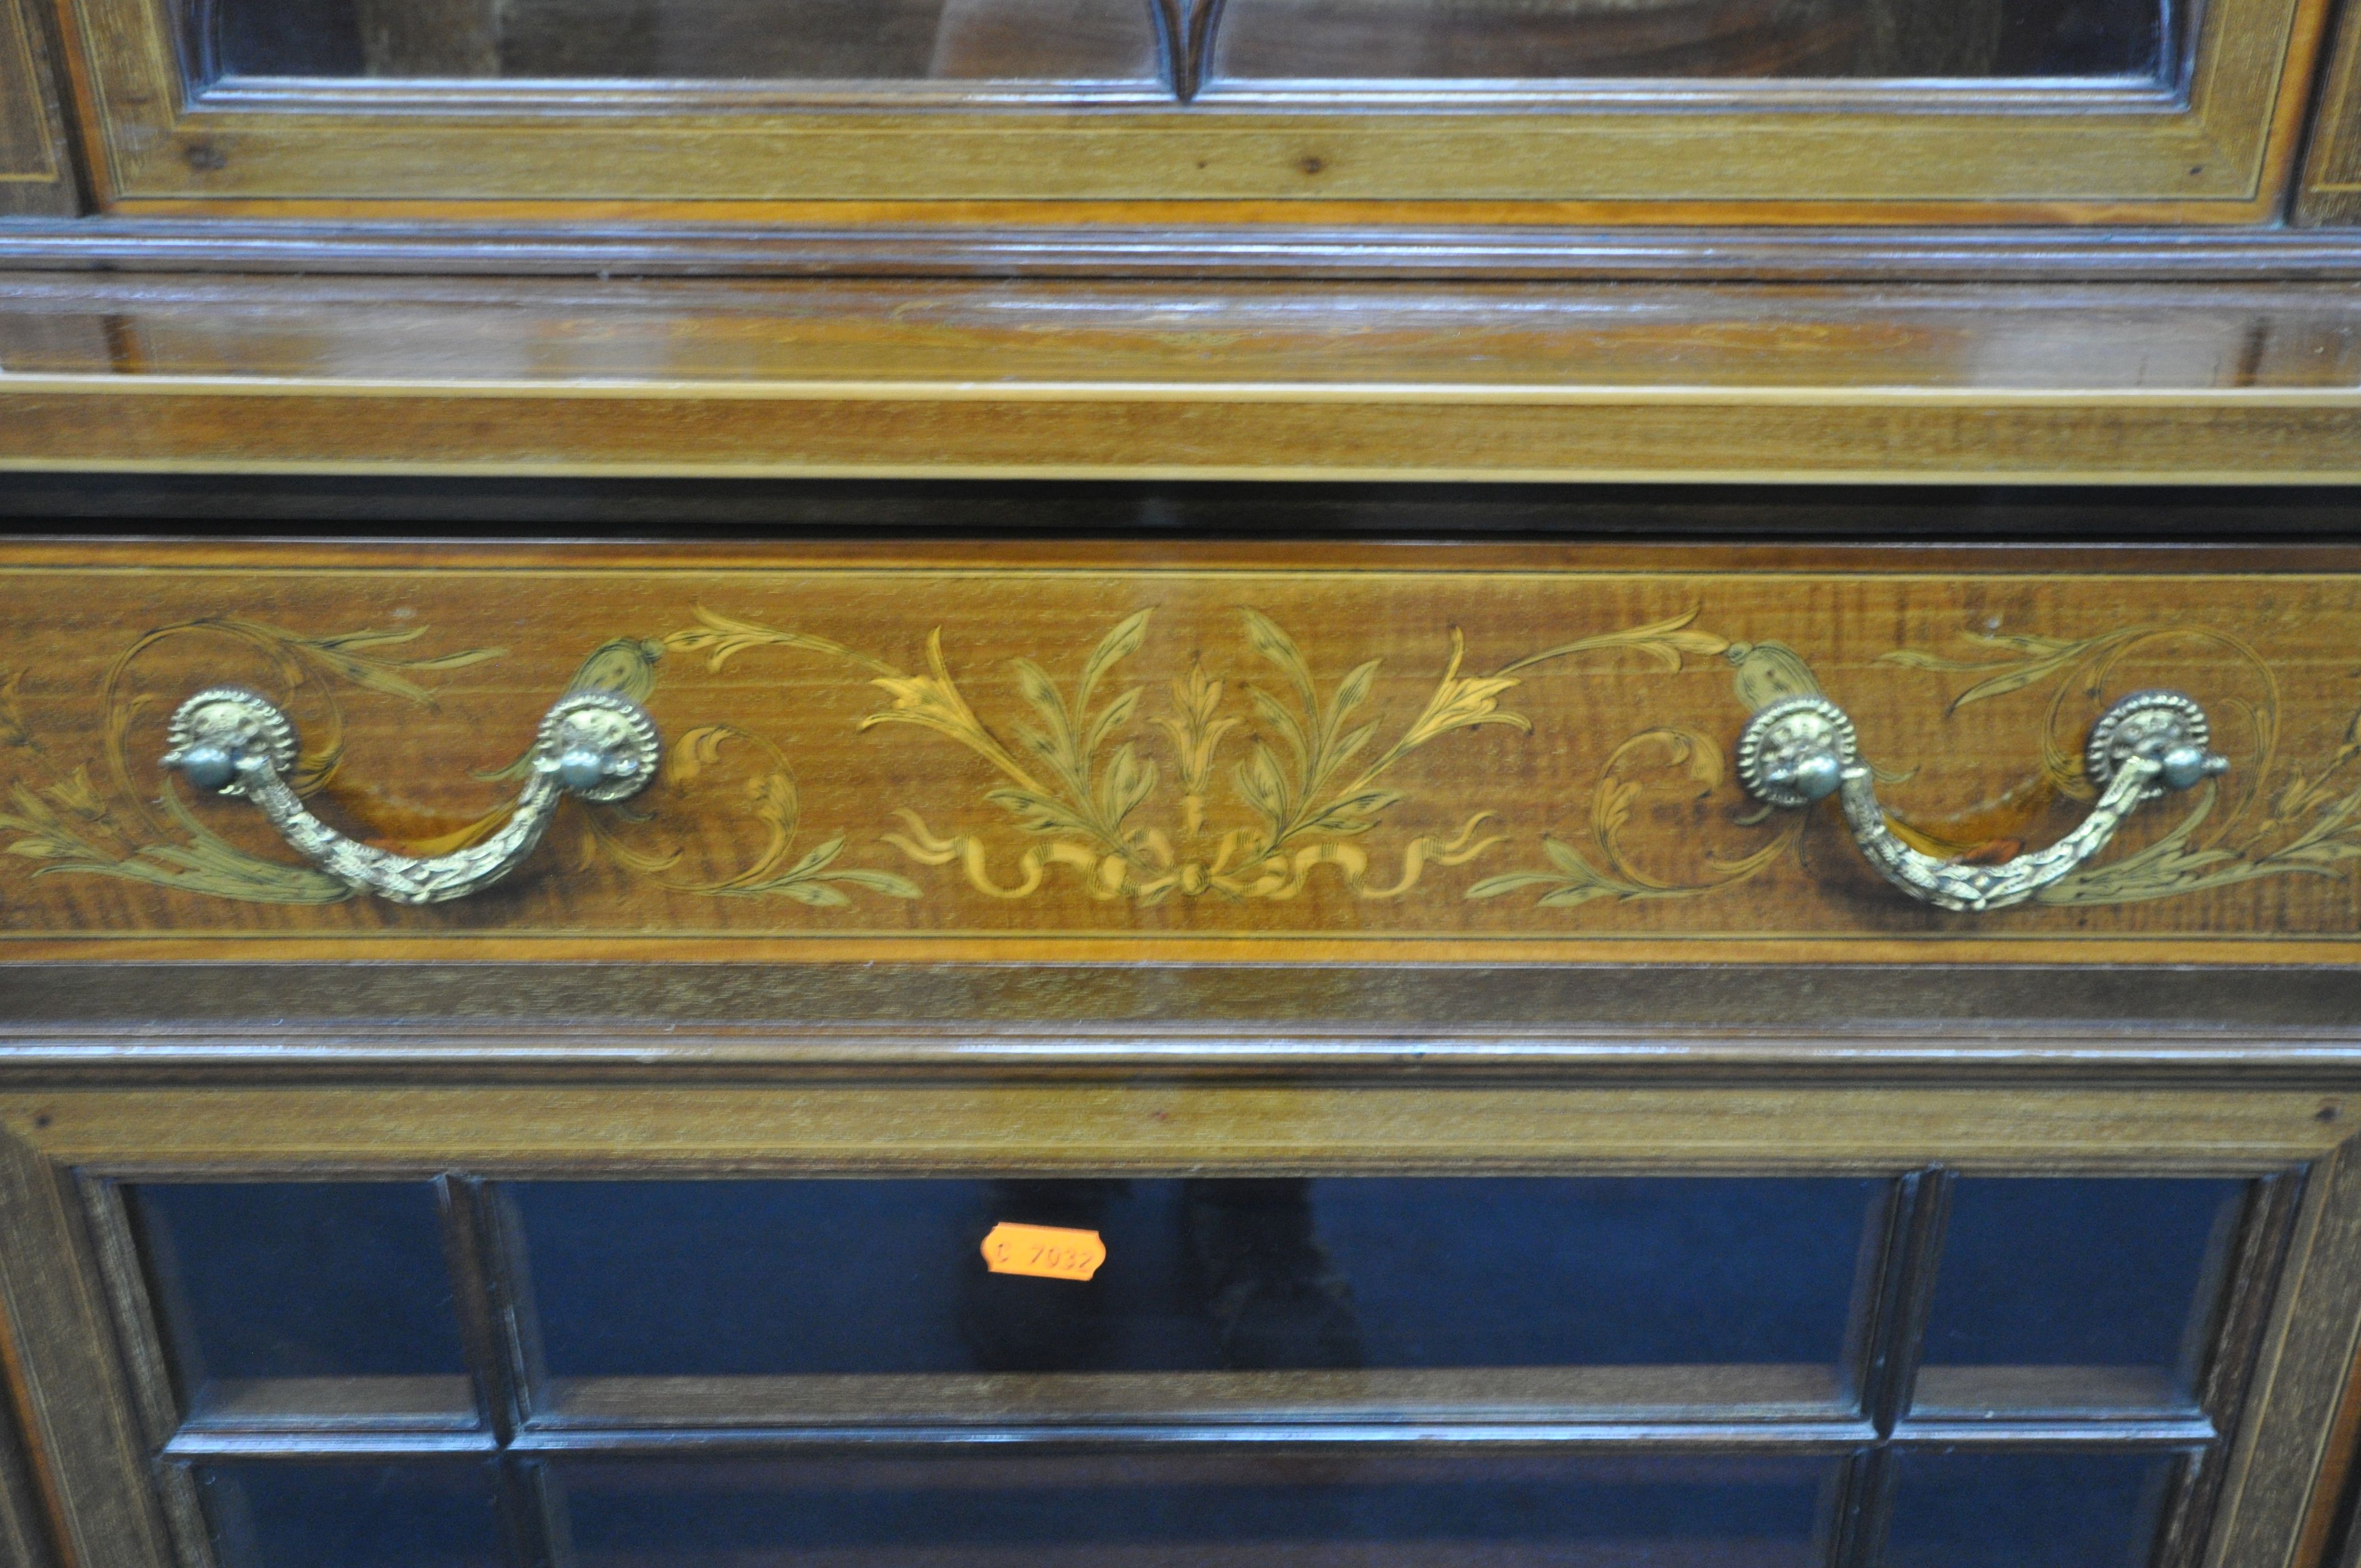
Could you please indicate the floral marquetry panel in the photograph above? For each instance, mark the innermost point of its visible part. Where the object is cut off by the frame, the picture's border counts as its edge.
(1220, 753)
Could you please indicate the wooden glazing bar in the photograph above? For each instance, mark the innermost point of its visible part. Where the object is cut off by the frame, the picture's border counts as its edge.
(531, 1516)
(1439, 1440)
(1958, 1394)
(1896, 1318)
(1698, 1436)
(421, 1404)
(196, 1443)
(1857, 1522)
(1887, 1328)
(472, 1247)
(2188, 1434)
(497, 1328)
(1602, 1395)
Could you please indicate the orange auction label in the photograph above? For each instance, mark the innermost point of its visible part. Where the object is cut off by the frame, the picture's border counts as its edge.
(1043, 1251)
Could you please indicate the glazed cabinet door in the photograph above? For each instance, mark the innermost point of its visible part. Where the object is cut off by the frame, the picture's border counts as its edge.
(830, 1322)
(1156, 111)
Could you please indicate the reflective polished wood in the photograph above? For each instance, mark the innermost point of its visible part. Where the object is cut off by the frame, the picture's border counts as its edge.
(1967, 385)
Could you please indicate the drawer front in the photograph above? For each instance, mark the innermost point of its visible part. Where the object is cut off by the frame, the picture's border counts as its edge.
(1188, 752)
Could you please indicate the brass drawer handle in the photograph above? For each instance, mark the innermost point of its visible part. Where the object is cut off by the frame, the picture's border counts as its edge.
(1801, 749)
(593, 744)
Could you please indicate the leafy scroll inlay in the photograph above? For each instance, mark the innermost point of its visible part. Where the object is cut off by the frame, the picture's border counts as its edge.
(73, 826)
(2310, 825)
(1571, 878)
(628, 666)
(77, 828)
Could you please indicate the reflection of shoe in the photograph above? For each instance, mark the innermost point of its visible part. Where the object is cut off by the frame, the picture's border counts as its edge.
(1014, 1323)
(1275, 1301)
(1270, 1325)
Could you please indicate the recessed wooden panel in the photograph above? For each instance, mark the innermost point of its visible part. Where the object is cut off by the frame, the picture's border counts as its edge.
(35, 175)
(2332, 174)
(1510, 754)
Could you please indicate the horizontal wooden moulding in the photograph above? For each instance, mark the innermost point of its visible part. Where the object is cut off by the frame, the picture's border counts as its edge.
(1092, 379)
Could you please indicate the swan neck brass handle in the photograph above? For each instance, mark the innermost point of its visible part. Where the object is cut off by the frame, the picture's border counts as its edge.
(1802, 750)
(592, 744)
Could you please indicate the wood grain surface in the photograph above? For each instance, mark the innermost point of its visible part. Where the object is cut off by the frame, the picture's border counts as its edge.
(2331, 193)
(1104, 752)
(37, 176)
(1952, 385)
(2220, 150)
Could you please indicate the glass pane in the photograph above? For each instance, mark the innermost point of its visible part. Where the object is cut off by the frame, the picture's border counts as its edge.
(728, 40)
(313, 1280)
(1266, 1511)
(2028, 1510)
(2083, 1273)
(1409, 41)
(840, 1276)
(426, 1515)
